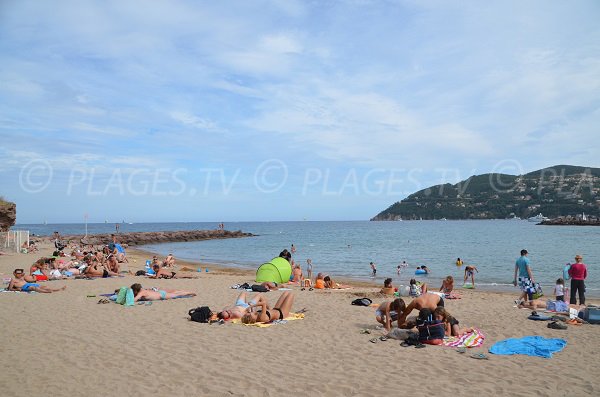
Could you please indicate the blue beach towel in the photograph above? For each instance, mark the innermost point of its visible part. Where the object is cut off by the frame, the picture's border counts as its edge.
(536, 346)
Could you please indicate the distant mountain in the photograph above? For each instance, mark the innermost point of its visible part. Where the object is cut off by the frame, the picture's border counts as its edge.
(555, 191)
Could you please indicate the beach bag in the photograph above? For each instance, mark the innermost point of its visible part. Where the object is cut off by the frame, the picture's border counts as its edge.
(362, 302)
(431, 329)
(551, 305)
(566, 269)
(537, 291)
(140, 273)
(200, 314)
(259, 288)
(561, 306)
(590, 314)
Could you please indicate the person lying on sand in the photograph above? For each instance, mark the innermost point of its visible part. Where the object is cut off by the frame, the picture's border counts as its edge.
(329, 283)
(280, 310)
(19, 284)
(425, 301)
(533, 304)
(96, 269)
(240, 307)
(271, 286)
(388, 312)
(164, 273)
(140, 293)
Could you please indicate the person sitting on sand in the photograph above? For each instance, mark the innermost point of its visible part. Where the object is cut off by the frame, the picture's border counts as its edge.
(450, 323)
(140, 293)
(169, 261)
(425, 301)
(19, 284)
(417, 288)
(320, 282)
(280, 310)
(96, 269)
(388, 312)
(241, 306)
(388, 288)
(297, 274)
(112, 264)
(447, 285)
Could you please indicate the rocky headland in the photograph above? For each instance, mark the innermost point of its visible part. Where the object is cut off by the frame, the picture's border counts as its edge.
(144, 238)
(8, 215)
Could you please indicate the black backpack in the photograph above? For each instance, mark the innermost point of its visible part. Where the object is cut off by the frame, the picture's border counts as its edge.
(259, 288)
(200, 314)
(362, 302)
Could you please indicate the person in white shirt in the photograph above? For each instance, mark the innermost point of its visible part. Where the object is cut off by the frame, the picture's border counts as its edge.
(559, 290)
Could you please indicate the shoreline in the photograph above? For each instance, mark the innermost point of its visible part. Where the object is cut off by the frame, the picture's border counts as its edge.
(327, 351)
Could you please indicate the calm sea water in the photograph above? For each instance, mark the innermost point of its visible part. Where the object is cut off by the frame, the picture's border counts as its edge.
(346, 248)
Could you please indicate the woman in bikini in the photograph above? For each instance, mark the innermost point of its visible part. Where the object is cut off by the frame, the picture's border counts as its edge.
(140, 293)
(280, 310)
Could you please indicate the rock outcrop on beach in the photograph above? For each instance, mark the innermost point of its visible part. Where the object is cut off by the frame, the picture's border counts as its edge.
(556, 191)
(143, 238)
(8, 215)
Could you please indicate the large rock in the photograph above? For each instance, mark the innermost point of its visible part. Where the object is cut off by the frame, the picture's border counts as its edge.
(8, 215)
(142, 238)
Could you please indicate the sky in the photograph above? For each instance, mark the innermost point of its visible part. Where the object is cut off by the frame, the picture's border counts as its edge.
(284, 110)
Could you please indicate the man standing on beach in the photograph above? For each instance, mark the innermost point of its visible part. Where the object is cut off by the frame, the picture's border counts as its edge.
(526, 282)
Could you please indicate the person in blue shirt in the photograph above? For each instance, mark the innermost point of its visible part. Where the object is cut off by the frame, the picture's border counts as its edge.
(525, 278)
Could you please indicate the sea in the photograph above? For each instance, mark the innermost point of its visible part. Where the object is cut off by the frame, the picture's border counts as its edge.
(344, 249)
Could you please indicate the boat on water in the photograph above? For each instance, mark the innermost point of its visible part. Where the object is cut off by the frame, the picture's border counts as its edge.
(538, 218)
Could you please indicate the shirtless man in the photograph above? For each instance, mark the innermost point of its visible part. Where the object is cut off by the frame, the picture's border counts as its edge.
(169, 261)
(470, 272)
(19, 284)
(425, 301)
(98, 270)
(112, 264)
(140, 293)
(241, 306)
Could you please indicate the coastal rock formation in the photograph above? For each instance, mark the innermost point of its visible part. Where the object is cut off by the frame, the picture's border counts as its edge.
(555, 191)
(8, 215)
(143, 238)
(573, 221)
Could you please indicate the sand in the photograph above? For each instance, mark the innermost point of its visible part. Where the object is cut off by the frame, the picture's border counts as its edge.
(65, 344)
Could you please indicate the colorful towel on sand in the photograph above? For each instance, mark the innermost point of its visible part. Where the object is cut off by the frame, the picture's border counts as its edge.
(292, 316)
(536, 346)
(470, 339)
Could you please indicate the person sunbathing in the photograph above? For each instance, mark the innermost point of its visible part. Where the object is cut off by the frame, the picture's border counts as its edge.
(533, 304)
(19, 284)
(280, 310)
(240, 307)
(270, 285)
(169, 261)
(329, 283)
(140, 293)
(447, 285)
(164, 273)
(96, 269)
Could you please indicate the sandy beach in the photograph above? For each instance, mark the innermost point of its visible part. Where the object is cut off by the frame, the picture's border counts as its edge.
(66, 344)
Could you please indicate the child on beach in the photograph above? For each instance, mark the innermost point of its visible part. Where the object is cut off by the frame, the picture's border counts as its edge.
(559, 290)
(417, 288)
(388, 312)
(450, 323)
(447, 285)
(388, 288)
(373, 269)
(309, 269)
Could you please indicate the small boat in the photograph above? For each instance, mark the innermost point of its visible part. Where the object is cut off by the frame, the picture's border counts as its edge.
(538, 218)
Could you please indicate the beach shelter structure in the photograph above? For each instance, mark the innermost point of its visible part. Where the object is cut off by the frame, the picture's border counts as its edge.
(277, 270)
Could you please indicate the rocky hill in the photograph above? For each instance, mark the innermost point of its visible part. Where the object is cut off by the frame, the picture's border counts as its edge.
(560, 190)
(8, 214)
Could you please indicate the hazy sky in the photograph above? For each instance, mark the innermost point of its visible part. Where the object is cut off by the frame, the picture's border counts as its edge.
(284, 110)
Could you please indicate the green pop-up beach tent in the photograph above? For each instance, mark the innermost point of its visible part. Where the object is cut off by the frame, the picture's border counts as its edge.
(277, 270)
